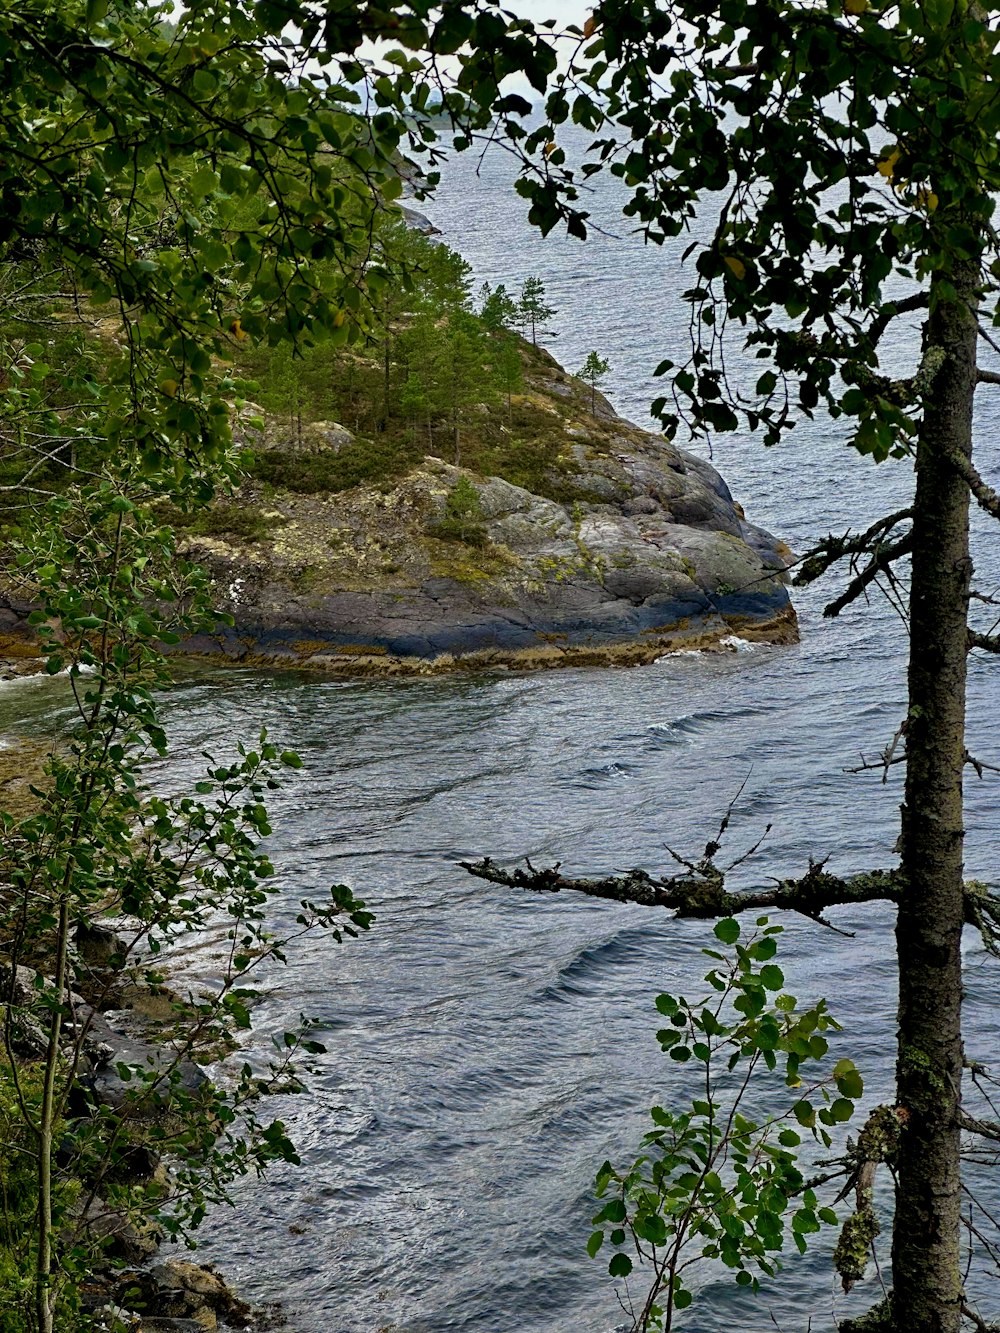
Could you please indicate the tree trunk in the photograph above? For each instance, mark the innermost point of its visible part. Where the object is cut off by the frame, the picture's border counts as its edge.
(44, 1294)
(386, 380)
(927, 1282)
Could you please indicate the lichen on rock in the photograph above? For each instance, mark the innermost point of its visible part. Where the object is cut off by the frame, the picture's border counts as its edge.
(592, 536)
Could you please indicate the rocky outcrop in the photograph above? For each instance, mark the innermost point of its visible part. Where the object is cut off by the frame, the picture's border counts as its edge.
(624, 548)
(588, 540)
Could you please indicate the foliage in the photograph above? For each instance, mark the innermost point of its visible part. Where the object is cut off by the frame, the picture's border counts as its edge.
(170, 194)
(534, 310)
(499, 310)
(720, 1179)
(102, 839)
(593, 371)
(463, 515)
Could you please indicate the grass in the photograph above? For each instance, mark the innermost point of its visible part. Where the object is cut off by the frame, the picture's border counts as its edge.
(227, 519)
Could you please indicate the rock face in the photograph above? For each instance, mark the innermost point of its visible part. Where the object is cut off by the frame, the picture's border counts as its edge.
(628, 546)
(582, 539)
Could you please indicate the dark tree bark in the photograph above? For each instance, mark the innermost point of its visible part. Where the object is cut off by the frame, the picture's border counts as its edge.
(927, 1279)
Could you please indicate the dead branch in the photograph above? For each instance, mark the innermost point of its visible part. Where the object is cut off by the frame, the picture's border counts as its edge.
(980, 765)
(886, 758)
(881, 560)
(987, 377)
(892, 310)
(986, 1129)
(701, 893)
(877, 1145)
(985, 495)
(990, 643)
(980, 1325)
(831, 549)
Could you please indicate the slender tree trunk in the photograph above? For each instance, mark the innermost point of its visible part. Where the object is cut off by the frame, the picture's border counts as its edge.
(386, 367)
(46, 1126)
(927, 1281)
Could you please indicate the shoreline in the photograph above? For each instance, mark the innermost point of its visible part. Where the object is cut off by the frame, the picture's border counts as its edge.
(362, 660)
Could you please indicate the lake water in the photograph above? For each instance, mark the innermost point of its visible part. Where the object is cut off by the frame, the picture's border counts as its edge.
(488, 1049)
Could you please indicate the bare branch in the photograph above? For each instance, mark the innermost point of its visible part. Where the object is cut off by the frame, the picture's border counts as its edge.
(831, 549)
(987, 1129)
(987, 377)
(990, 643)
(701, 893)
(985, 495)
(980, 1325)
(980, 765)
(887, 758)
(881, 560)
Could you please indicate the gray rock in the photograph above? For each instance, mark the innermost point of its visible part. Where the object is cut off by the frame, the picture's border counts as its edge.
(124, 1239)
(28, 1038)
(418, 221)
(165, 1324)
(155, 1073)
(634, 546)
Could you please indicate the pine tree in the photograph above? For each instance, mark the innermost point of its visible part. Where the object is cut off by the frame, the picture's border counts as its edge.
(534, 309)
(593, 371)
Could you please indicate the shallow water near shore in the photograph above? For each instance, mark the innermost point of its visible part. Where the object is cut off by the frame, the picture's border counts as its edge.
(488, 1049)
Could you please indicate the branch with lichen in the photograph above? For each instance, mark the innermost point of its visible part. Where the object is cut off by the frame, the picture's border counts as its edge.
(701, 891)
(985, 496)
(877, 1144)
(874, 543)
(990, 643)
(831, 549)
(880, 563)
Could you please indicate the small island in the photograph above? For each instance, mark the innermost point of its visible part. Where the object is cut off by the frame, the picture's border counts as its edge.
(482, 508)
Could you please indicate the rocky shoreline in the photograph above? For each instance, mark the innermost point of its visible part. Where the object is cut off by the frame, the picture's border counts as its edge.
(132, 1286)
(604, 544)
(624, 547)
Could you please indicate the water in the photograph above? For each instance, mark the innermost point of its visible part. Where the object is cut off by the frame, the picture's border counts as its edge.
(488, 1049)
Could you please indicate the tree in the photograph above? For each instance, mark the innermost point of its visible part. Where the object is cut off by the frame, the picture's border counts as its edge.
(853, 154)
(498, 310)
(593, 371)
(508, 370)
(419, 276)
(463, 385)
(534, 309)
(169, 194)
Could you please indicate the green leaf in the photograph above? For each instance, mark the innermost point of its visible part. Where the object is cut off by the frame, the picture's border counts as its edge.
(595, 1242)
(727, 930)
(804, 1113)
(620, 1265)
(772, 977)
(851, 1085)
